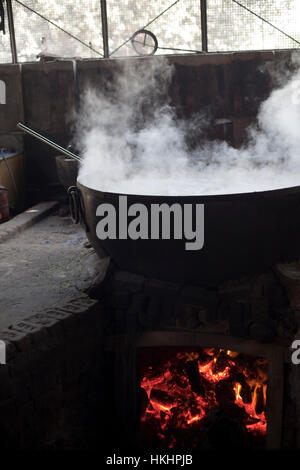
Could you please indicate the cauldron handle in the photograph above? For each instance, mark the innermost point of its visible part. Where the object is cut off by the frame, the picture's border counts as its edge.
(74, 204)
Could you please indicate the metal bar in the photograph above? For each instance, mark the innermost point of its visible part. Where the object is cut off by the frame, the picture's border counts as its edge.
(48, 141)
(146, 25)
(266, 21)
(178, 49)
(104, 29)
(58, 27)
(204, 25)
(12, 35)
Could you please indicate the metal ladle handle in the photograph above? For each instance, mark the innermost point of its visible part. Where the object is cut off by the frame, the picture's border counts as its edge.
(48, 141)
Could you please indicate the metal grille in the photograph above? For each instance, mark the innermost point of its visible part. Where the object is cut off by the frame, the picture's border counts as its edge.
(232, 28)
(179, 27)
(69, 28)
(36, 35)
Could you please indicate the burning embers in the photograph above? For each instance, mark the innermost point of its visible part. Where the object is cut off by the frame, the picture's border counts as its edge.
(204, 398)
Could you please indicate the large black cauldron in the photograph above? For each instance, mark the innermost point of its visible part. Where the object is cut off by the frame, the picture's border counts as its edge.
(244, 234)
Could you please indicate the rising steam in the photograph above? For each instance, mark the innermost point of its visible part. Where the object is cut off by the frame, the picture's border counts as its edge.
(133, 142)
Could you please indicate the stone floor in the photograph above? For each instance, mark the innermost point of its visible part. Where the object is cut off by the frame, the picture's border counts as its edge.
(43, 266)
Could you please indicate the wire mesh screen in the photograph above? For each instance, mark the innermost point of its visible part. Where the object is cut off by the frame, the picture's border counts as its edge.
(5, 54)
(175, 24)
(231, 27)
(37, 32)
(69, 28)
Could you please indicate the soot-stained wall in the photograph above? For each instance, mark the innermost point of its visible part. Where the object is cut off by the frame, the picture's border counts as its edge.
(49, 97)
(44, 96)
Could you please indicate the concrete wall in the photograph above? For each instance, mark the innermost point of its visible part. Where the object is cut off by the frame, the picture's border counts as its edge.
(12, 110)
(49, 100)
(44, 95)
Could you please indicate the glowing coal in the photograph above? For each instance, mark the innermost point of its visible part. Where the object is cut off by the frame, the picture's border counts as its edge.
(190, 392)
(133, 142)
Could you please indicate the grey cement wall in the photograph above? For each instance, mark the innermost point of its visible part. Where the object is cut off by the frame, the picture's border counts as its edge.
(12, 111)
(49, 99)
(44, 95)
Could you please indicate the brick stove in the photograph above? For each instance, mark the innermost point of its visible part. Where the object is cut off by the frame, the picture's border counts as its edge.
(78, 375)
(150, 323)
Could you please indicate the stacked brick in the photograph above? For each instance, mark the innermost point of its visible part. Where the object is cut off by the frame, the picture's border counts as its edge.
(50, 380)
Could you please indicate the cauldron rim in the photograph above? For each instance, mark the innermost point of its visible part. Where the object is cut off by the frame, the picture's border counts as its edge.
(204, 198)
(246, 233)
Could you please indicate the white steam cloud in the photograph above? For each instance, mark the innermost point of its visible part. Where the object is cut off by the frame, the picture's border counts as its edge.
(132, 142)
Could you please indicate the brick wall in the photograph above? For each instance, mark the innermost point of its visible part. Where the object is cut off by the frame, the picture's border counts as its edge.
(50, 392)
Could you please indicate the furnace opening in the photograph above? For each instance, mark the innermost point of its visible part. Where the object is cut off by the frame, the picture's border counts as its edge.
(202, 398)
